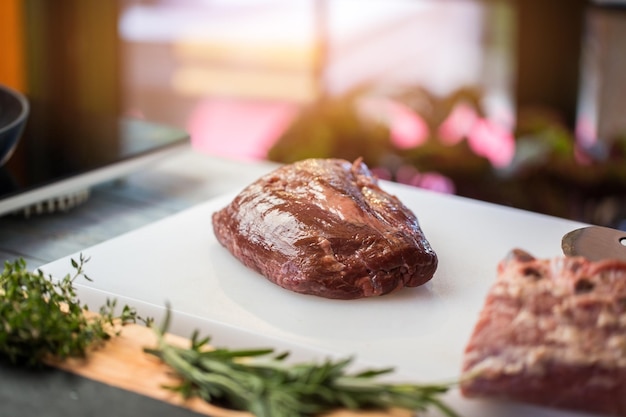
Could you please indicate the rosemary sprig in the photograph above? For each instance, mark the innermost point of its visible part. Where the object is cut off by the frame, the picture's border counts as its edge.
(267, 385)
(43, 319)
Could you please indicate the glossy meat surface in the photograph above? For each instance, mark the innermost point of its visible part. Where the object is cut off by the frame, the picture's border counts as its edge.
(324, 227)
(552, 332)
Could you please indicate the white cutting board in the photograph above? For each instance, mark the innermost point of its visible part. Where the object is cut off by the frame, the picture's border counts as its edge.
(420, 331)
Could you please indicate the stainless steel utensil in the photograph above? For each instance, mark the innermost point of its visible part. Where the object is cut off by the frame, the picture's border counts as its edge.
(595, 243)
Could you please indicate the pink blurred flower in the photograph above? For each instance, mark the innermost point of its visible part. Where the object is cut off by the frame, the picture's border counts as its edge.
(586, 131)
(408, 174)
(458, 124)
(436, 182)
(408, 129)
(586, 137)
(485, 137)
(492, 141)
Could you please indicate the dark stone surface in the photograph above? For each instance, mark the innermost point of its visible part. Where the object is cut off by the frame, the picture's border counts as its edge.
(51, 392)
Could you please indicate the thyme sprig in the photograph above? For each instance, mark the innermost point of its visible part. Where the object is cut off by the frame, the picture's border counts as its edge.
(265, 384)
(41, 318)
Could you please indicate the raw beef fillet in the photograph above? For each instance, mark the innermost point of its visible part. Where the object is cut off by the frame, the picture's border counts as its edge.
(552, 332)
(324, 227)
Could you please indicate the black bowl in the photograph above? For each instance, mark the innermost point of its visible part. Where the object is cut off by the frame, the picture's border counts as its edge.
(14, 110)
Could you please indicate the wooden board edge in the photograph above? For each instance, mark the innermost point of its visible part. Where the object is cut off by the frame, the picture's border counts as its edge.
(122, 363)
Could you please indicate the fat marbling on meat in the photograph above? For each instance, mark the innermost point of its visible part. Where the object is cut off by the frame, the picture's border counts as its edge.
(325, 227)
(552, 332)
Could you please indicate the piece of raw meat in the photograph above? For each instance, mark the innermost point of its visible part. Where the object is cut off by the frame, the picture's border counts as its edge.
(324, 227)
(552, 332)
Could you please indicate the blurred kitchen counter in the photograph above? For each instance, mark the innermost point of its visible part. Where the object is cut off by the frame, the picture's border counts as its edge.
(167, 187)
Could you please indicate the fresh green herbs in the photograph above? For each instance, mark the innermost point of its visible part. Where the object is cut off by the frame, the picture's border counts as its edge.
(268, 386)
(43, 319)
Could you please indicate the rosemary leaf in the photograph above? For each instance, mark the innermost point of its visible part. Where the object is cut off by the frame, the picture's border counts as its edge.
(265, 384)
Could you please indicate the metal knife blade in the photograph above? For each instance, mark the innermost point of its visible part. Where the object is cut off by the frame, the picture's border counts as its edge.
(595, 243)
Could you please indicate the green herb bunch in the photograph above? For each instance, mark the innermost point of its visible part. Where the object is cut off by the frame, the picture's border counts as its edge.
(268, 386)
(43, 319)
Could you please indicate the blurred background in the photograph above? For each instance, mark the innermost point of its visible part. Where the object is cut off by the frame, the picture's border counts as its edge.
(517, 102)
